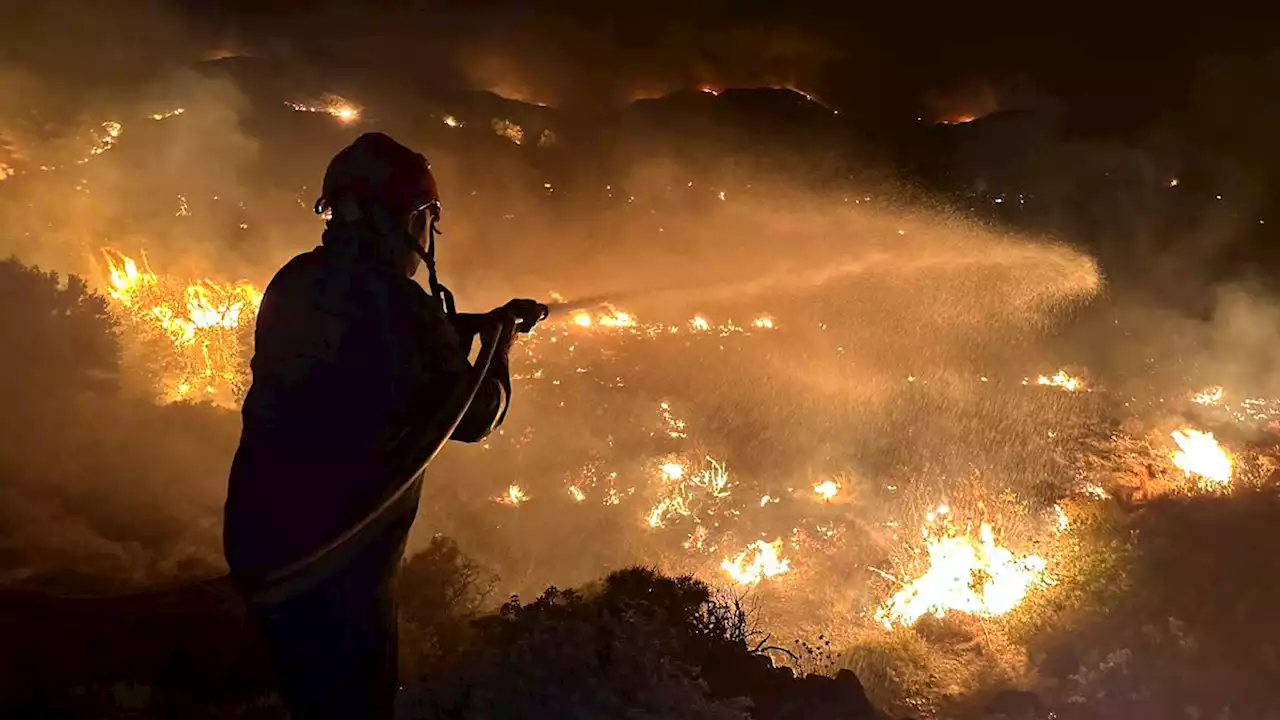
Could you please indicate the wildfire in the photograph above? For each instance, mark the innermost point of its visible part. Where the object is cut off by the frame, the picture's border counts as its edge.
(200, 320)
(167, 114)
(688, 494)
(515, 495)
(1200, 454)
(973, 576)
(611, 318)
(1208, 396)
(508, 130)
(759, 561)
(107, 139)
(332, 105)
(1062, 380)
(827, 489)
(674, 425)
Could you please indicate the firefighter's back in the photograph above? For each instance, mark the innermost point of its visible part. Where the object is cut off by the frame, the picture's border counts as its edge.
(331, 365)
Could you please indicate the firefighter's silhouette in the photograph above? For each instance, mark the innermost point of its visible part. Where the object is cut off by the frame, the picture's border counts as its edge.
(346, 345)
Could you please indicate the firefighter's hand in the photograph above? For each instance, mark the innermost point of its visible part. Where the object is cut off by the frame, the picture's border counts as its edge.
(526, 312)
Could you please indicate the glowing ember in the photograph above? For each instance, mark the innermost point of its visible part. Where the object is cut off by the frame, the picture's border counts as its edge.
(1064, 522)
(453, 122)
(576, 493)
(1200, 454)
(166, 115)
(759, 561)
(106, 139)
(1062, 380)
(515, 495)
(700, 323)
(1208, 396)
(6, 172)
(1094, 491)
(201, 322)
(672, 471)
(674, 425)
(763, 322)
(827, 489)
(977, 577)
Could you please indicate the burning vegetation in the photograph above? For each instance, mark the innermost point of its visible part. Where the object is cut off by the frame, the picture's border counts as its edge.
(761, 445)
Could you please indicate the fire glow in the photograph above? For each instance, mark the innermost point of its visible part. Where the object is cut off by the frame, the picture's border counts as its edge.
(975, 576)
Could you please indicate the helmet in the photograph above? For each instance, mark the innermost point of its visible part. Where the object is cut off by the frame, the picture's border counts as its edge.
(377, 170)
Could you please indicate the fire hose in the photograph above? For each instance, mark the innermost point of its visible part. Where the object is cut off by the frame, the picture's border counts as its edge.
(414, 450)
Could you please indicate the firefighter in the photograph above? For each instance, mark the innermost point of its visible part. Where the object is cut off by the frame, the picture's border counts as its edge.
(346, 342)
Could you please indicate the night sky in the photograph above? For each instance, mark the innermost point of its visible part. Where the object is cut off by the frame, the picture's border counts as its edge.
(1107, 66)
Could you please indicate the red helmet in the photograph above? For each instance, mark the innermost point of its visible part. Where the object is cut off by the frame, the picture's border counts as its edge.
(378, 170)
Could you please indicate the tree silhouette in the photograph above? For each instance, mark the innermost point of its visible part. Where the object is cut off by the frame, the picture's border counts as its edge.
(58, 335)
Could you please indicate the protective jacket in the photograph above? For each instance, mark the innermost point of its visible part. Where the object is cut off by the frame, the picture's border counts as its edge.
(345, 349)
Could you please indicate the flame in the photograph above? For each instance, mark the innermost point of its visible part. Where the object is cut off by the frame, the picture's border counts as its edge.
(515, 495)
(977, 577)
(616, 318)
(700, 323)
(452, 121)
(200, 320)
(760, 560)
(167, 114)
(1208, 396)
(1200, 454)
(763, 322)
(675, 426)
(331, 105)
(682, 493)
(827, 489)
(1062, 380)
(610, 318)
(508, 130)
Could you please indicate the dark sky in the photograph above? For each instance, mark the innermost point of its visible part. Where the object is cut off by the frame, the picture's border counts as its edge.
(1107, 60)
(889, 59)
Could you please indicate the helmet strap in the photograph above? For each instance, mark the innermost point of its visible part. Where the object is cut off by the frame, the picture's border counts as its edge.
(442, 294)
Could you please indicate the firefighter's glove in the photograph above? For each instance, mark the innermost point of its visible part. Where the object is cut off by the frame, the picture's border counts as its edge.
(527, 313)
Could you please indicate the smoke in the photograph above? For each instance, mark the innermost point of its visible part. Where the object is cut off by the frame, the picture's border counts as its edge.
(874, 285)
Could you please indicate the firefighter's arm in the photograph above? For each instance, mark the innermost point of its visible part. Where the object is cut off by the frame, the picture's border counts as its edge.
(489, 406)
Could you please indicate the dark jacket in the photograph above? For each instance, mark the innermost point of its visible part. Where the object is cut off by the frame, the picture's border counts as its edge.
(342, 347)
